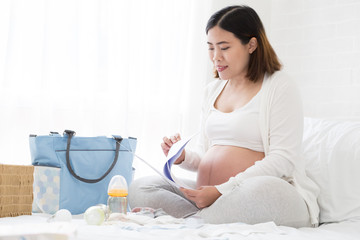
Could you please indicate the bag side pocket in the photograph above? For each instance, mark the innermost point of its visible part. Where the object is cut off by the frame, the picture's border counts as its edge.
(46, 189)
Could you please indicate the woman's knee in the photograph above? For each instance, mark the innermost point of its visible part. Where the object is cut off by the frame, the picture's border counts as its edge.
(140, 188)
(144, 189)
(145, 183)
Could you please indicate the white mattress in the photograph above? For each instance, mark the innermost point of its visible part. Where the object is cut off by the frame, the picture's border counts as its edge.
(37, 227)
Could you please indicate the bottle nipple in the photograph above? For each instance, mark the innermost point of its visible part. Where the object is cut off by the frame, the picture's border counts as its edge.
(118, 187)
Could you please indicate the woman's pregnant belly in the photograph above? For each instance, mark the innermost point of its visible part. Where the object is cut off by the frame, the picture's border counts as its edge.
(222, 162)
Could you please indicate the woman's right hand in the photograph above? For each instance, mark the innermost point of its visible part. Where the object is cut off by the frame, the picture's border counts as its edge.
(167, 144)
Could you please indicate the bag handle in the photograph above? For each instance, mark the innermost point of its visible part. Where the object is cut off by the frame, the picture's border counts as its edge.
(70, 134)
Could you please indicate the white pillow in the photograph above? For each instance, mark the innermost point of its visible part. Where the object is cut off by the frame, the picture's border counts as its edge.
(332, 154)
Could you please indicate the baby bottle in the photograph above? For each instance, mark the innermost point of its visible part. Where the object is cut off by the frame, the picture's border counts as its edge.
(117, 191)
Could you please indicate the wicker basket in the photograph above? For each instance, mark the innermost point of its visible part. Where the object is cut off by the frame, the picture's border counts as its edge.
(16, 190)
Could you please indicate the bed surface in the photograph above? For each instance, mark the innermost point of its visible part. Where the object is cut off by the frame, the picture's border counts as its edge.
(331, 153)
(37, 227)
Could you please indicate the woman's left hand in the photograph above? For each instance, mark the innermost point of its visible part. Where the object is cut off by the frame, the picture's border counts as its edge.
(203, 196)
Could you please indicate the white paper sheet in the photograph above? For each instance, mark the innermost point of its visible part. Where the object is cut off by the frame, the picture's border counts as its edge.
(174, 153)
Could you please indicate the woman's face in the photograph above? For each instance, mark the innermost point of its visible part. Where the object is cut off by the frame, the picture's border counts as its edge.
(229, 55)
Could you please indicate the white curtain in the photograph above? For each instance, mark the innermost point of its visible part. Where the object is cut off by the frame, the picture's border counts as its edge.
(135, 68)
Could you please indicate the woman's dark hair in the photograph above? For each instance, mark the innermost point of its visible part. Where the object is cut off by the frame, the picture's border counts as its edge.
(245, 24)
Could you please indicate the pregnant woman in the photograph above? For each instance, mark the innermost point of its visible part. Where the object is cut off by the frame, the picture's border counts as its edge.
(248, 155)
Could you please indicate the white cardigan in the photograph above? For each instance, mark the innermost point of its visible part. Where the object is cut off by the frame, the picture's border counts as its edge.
(281, 125)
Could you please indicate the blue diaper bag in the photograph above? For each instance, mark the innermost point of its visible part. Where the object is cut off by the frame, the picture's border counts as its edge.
(73, 172)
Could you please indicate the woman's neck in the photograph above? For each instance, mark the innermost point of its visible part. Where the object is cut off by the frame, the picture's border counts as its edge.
(243, 83)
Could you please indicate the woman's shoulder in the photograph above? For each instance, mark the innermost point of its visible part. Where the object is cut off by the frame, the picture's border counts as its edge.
(213, 86)
(215, 83)
(280, 79)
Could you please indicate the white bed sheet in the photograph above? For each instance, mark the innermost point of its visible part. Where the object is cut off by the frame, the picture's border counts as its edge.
(37, 227)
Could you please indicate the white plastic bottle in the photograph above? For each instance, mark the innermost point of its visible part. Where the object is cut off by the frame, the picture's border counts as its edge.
(117, 191)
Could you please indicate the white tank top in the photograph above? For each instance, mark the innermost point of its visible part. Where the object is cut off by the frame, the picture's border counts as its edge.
(238, 128)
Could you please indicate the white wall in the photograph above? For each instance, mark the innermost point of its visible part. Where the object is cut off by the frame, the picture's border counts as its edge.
(318, 42)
